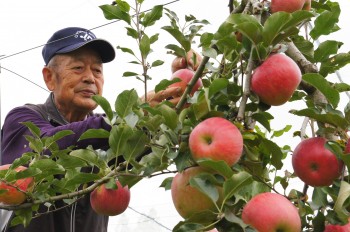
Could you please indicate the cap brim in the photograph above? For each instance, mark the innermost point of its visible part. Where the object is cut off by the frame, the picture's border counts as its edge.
(103, 47)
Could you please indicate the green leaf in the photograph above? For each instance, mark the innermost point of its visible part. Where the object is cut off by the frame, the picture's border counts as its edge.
(248, 25)
(330, 118)
(204, 182)
(125, 102)
(126, 50)
(114, 12)
(145, 46)
(81, 178)
(217, 85)
(179, 36)
(118, 139)
(344, 194)
(94, 134)
(235, 183)
(169, 114)
(325, 49)
(178, 51)
(334, 63)
(130, 74)
(263, 118)
(132, 32)
(157, 63)
(275, 152)
(89, 156)
(101, 101)
(274, 25)
(150, 18)
(220, 167)
(136, 145)
(33, 129)
(325, 23)
(323, 86)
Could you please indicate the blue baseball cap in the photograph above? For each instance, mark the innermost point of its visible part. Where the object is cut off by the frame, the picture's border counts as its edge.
(72, 38)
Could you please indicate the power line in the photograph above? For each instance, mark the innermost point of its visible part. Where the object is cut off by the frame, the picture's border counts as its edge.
(149, 217)
(24, 78)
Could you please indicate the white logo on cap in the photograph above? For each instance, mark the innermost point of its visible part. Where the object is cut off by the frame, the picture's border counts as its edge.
(84, 35)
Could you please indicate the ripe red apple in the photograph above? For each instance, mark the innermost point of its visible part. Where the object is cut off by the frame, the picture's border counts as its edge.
(218, 139)
(337, 228)
(267, 212)
(191, 61)
(15, 193)
(186, 76)
(110, 202)
(276, 79)
(286, 5)
(189, 200)
(314, 164)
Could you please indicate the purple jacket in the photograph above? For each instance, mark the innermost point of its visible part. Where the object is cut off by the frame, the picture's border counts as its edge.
(79, 216)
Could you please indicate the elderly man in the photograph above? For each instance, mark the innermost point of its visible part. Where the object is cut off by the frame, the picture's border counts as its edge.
(73, 72)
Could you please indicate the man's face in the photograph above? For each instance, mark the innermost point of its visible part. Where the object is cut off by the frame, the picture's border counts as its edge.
(77, 76)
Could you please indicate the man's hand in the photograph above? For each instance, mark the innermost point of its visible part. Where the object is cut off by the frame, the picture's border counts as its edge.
(171, 94)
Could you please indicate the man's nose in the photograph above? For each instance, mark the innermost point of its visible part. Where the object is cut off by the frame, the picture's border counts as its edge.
(89, 76)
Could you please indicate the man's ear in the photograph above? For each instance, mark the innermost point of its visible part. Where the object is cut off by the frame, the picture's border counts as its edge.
(49, 79)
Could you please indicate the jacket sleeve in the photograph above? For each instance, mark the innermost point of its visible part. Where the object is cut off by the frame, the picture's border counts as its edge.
(14, 144)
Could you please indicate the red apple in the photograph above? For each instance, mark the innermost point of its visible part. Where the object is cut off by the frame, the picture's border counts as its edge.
(218, 139)
(337, 228)
(15, 193)
(286, 5)
(267, 212)
(189, 200)
(314, 164)
(110, 202)
(276, 79)
(186, 76)
(191, 61)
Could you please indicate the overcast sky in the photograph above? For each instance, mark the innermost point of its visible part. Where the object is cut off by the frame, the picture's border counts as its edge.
(26, 25)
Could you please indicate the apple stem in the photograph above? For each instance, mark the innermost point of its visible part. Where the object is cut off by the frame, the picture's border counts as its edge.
(190, 85)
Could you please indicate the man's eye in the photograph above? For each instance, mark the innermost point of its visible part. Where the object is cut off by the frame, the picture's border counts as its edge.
(78, 68)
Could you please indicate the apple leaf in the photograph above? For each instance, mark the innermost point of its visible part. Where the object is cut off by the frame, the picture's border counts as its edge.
(235, 183)
(179, 36)
(263, 118)
(248, 25)
(80, 178)
(135, 145)
(329, 117)
(104, 104)
(169, 114)
(275, 151)
(125, 102)
(70, 162)
(89, 156)
(217, 85)
(274, 26)
(151, 17)
(326, 22)
(94, 133)
(204, 182)
(344, 194)
(115, 12)
(118, 139)
(145, 46)
(220, 167)
(325, 49)
(334, 63)
(320, 83)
